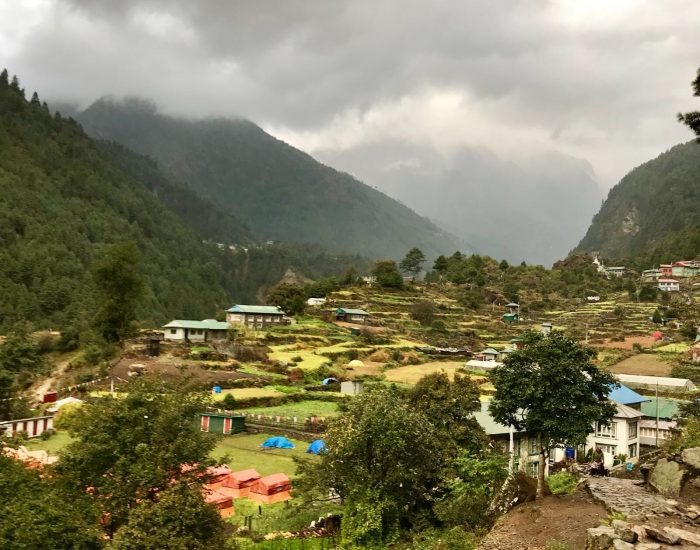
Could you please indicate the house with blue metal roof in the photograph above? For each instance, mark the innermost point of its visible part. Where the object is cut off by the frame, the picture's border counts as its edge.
(625, 396)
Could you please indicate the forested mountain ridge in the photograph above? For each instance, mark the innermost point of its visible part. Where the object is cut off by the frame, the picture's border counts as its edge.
(63, 203)
(654, 212)
(278, 191)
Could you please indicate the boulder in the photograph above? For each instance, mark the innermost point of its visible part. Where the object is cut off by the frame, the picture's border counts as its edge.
(648, 546)
(692, 457)
(667, 478)
(685, 537)
(600, 538)
(624, 531)
(619, 544)
(662, 535)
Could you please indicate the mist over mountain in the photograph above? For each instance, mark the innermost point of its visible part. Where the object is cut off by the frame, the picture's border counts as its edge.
(533, 210)
(277, 191)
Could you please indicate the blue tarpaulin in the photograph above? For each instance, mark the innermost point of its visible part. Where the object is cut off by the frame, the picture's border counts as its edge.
(327, 381)
(317, 447)
(277, 443)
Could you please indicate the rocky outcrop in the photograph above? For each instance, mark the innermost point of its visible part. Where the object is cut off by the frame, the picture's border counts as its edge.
(691, 457)
(667, 478)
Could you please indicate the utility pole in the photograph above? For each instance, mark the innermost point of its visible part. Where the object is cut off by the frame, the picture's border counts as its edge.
(657, 415)
(511, 450)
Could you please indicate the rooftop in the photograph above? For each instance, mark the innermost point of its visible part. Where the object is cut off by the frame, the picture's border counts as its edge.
(351, 311)
(622, 394)
(264, 310)
(208, 324)
(623, 411)
(668, 408)
(652, 380)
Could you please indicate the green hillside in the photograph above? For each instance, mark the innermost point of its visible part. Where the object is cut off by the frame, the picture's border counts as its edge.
(280, 192)
(654, 212)
(62, 203)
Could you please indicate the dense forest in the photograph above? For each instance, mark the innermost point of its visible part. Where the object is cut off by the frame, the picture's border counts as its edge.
(67, 198)
(653, 214)
(279, 192)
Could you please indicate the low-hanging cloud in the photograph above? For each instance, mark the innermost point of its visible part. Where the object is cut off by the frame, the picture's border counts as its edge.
(597, 79)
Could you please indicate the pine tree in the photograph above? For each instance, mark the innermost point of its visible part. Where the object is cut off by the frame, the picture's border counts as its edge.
(4, 78)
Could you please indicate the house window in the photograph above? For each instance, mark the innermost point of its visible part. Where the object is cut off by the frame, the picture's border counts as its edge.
(602, 430)
(173, 331)
(533, 446)
(268, 318)
(632, 450)
(532, 469)
(632, 430)
(612, 449)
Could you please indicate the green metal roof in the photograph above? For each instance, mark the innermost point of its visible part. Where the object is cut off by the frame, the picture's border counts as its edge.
(207, 324)
(490, 351)
(265, 310)
(668, 408)
(351, 311)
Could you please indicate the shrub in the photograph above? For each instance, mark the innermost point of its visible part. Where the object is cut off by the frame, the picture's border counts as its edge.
(379, 356)
(423, 312)
(46, 342)
(229, 401)
(251, 353)
(411, 358)
(562, 483)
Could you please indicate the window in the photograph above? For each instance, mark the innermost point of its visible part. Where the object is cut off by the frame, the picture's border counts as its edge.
(632, 450)
(632, 430)
(533, 446)
(602, 430)
(268, 318)
(612, 449)
(173, 331)
(532, 469)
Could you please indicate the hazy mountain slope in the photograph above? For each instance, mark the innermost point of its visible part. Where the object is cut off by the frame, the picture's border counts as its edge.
(654, 211)
(534, 210)
(280, 192)
(202, 216)
(62, 203)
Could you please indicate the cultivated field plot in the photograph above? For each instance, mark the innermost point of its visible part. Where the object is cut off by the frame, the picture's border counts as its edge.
(246, 393)
(644, 341)
(243, 451)
(412, 373)
(302, 409)
(645, 364)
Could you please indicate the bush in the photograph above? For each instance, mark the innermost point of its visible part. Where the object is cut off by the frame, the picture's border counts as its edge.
(379, 356)
(251, 353)
(562, 483)
(423, 312)
(46, 342)
(229, 401)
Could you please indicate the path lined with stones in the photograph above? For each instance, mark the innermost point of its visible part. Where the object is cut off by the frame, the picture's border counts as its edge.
(631, 498)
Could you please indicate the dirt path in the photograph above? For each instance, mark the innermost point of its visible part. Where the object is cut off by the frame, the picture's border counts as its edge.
(38, 390)
(554, 520)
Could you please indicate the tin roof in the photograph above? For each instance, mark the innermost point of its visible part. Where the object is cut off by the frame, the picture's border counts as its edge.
(351, 311)
(622, 394)
(668, 408)
(207, 324)
(266, 310)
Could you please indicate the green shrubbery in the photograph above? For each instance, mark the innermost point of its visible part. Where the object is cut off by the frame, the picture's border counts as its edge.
(562, 483)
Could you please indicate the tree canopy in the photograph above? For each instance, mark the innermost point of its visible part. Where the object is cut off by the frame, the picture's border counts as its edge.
(552, 390)
(413, 262)
(692, 119)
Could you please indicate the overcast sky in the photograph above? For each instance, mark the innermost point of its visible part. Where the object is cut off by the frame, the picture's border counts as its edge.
(598, 79)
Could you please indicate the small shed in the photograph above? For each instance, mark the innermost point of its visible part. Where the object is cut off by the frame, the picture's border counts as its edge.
(489, 354)
(511, 317)
(271, 485)
(352, 387)
(33, 427)
(217, 475)
(222, 502)
(238, 484)
(357, 316)
(225, 423)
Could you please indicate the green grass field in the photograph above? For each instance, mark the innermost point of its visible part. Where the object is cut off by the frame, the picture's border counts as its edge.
(52, 445)
(302, 409)
(244, 451)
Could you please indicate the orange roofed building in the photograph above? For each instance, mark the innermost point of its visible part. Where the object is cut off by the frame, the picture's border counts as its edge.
(271, 489)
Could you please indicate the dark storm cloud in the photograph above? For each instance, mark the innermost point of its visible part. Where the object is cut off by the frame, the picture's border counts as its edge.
(601, 81)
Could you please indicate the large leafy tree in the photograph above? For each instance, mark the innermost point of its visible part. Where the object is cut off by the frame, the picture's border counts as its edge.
(126, 452)
(36, 513)
(289, 297)
(552, 390)
(450, 406)
(692, 119)
(387, 274)
(120, 285)
(413, 262)
(382, 462)
(178, 520)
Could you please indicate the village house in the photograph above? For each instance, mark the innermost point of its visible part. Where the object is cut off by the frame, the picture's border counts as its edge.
(254, 317)
(617, 271)
(620, 436)
(666, 270)
(33, 427)
(669, 285)
(209, 330)
(315, 302)
(489, 354)
(651, 274)
(666, 409)
(685, 269)
(348, 315)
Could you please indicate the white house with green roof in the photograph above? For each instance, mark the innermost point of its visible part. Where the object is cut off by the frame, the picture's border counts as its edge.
(255, 317)
(208, 330)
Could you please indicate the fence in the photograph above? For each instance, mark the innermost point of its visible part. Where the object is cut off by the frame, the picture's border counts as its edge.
(296, 424)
